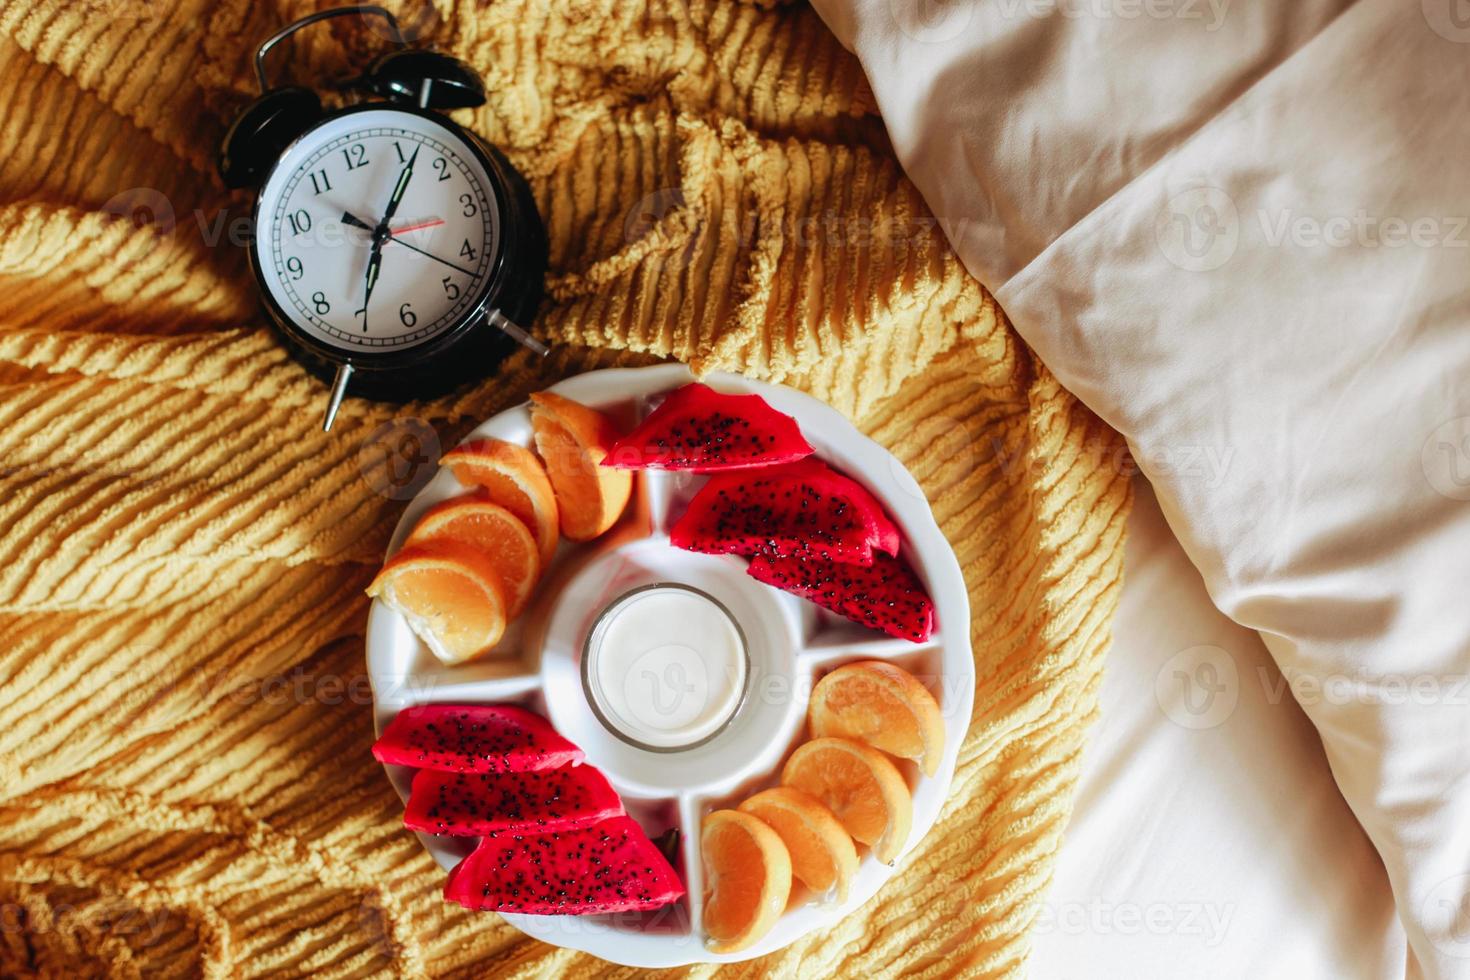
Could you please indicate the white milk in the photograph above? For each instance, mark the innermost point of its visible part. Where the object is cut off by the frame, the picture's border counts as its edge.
(665, 666)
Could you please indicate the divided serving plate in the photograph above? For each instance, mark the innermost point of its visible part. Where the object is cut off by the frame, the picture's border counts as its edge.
(790, 644)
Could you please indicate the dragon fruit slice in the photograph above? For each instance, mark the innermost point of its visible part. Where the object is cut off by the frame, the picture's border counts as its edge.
(610, 866)
(474, 804)
(703, 430)
(801, 508)
(473, 738)
(885, 595)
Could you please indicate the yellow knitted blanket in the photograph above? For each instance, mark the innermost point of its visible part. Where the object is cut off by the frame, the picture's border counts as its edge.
(185, 781)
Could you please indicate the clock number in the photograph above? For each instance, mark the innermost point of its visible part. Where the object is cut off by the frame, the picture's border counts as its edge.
(300, 221)
(442, 165)
(319, 181)
(466, 251)
(406, 315)
(293, 265)
(399, 150)
(355, 155)
(469, 205)
(319, 300)
(450, 289)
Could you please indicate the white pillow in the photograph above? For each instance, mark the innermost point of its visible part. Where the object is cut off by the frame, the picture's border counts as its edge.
(1239, 233)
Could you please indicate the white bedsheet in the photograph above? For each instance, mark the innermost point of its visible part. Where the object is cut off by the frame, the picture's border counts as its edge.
(1208, 841)
(1236, 232)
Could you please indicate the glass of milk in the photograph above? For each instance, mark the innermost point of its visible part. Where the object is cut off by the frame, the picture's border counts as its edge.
(665, 667)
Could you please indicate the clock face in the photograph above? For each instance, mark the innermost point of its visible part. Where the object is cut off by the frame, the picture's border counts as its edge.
(377, 231)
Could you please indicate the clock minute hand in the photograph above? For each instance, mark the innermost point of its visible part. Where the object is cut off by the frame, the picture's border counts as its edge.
(375, 263)
(456, 268)
(399, 188)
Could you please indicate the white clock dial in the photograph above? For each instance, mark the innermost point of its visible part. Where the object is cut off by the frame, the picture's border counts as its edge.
(345, 271)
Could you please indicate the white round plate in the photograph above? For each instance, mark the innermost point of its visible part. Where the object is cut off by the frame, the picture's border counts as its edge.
(791, 644)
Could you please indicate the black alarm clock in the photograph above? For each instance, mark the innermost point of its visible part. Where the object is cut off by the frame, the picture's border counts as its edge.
(397, 254)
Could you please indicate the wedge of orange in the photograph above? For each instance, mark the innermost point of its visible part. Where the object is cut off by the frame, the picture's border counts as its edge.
(451, 596)
(861, 786)
(822, 855)
(573, 440)
(883, 705)
(514, 478)
(493, 531)
(747, 876)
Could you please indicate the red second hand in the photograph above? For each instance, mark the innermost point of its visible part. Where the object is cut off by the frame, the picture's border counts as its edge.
(418, 227)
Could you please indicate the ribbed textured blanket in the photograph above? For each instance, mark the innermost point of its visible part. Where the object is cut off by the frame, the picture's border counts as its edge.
(185, 781)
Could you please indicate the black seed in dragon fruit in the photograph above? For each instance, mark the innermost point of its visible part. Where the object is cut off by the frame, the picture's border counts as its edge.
(609, 866)
(702, 430)
(474, 804)
(805, 508)
(885, 595)
(473, 738)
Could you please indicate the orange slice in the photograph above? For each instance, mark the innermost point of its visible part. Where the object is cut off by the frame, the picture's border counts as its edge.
(493, 531)
(514, 478)
(573, 440)
(450, 594)
(883, 705)
(861, 786)
(822, 855)
(747, 879)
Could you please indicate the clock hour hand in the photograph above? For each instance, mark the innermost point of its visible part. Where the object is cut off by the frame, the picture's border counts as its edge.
(351, 219)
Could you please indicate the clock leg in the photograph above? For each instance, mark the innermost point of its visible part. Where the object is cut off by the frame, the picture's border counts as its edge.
(511, 329)
(339, 388)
